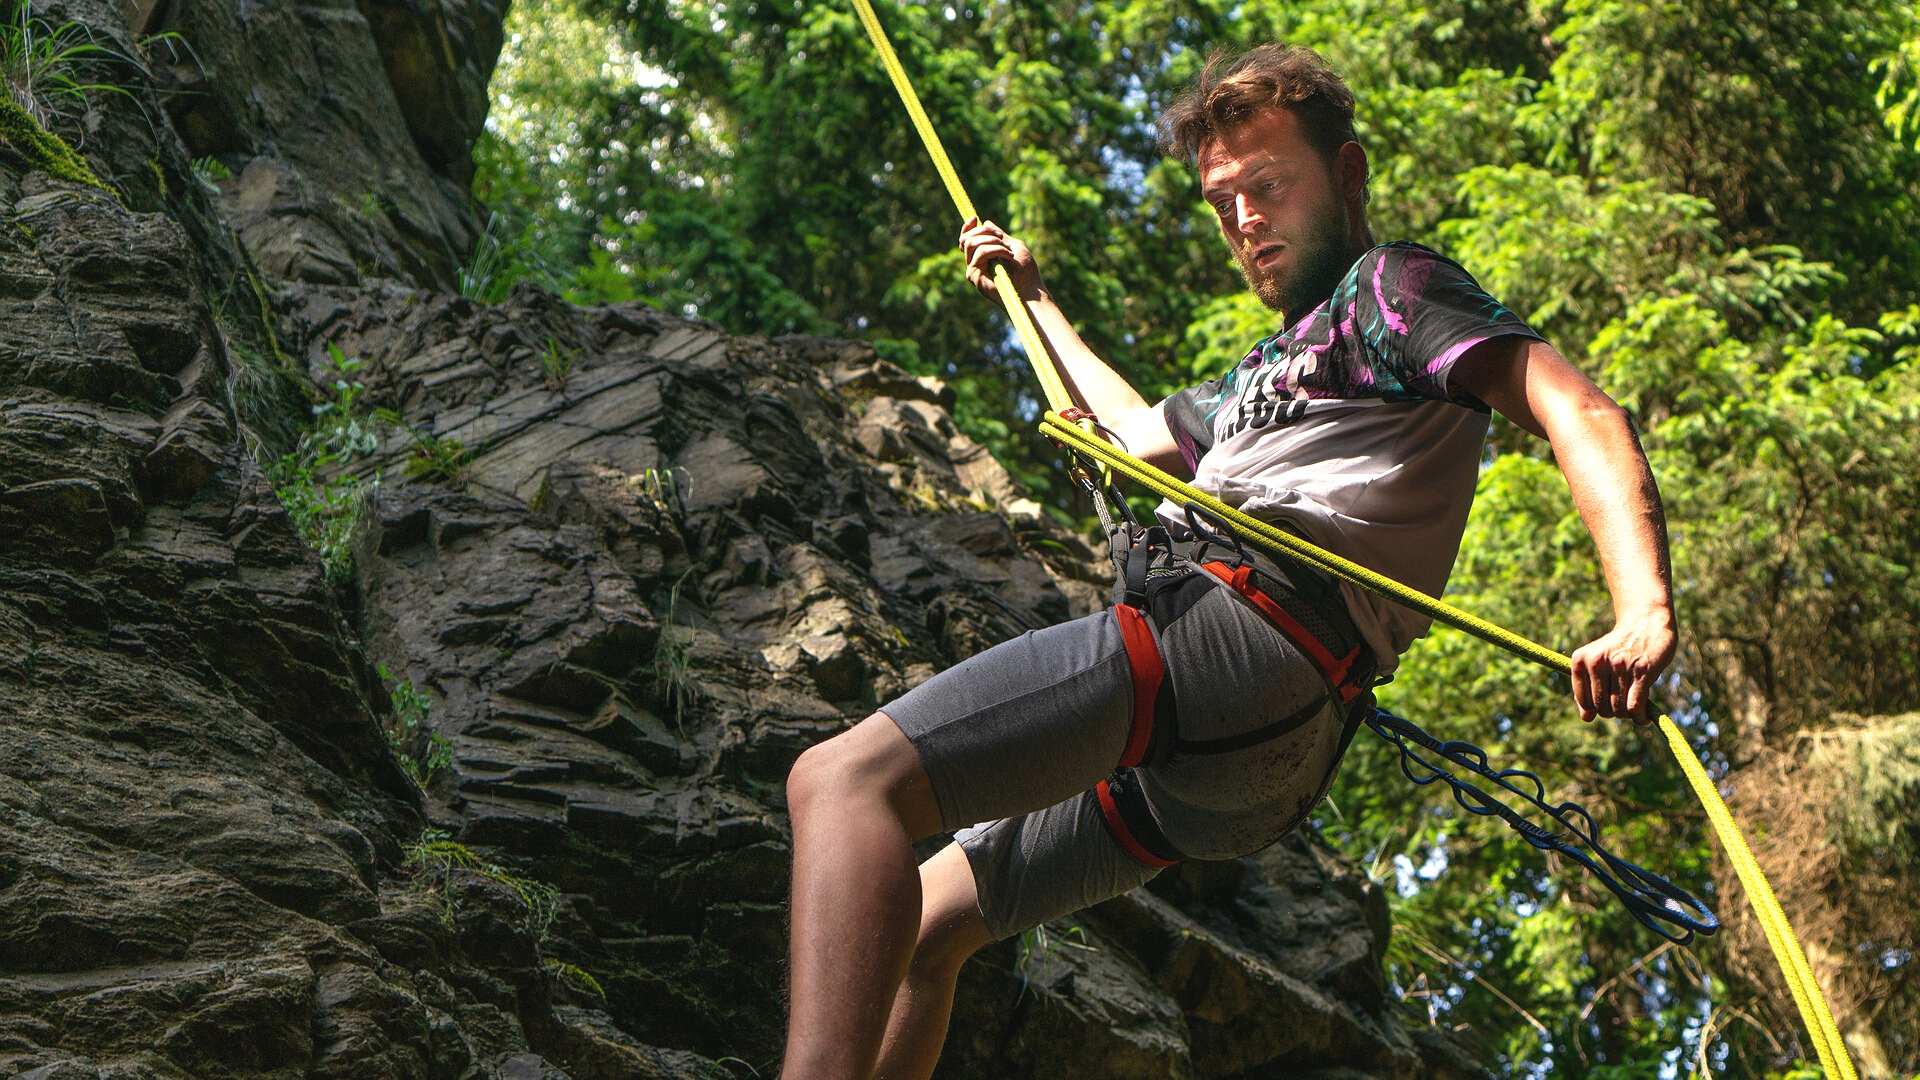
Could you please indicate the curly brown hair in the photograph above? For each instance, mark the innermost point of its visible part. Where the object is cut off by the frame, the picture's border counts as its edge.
(1232, 87)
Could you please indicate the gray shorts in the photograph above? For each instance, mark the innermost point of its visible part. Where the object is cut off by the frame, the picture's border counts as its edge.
(1016, 737)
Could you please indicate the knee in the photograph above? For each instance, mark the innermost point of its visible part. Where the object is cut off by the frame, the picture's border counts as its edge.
(815, 776)
(870, 769)
(843, 767)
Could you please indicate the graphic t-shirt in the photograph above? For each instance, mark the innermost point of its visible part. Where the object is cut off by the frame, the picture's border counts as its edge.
(1344, 428)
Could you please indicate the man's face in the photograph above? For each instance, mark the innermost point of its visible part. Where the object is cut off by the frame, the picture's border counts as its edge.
(1280, 209)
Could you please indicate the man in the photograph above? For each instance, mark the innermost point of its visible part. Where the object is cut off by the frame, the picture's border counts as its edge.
(1359, 425)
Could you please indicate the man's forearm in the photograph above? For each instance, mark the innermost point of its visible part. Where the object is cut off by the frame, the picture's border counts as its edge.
(1096, 386)
(1614, 491)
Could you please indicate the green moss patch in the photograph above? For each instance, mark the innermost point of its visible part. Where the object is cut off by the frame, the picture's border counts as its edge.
(42, 149)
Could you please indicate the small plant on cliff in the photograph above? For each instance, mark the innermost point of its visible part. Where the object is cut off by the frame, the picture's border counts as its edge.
(327, 507)
(37, 65)
(327, 513)
(504, 255)
(662, 488)
(436, 458)
(423, 752)
(40, 64)
(556, 364)
(211, 171)
(672, 659)
(435, 858)
(1038, 942)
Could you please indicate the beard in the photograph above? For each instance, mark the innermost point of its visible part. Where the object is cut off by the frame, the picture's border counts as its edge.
(1315, 265)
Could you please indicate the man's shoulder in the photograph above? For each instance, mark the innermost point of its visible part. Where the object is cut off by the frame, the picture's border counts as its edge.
(1397, 256)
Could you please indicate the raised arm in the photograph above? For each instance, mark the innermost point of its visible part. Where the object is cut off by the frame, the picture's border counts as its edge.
(1096, 387)
(1530, 383)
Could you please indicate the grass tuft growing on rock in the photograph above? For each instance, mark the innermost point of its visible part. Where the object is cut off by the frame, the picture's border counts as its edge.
(1039, 941)
(503, 255)
(38, 64)
(436, 458)
(556, 363)
(672, 660)
(435, 858)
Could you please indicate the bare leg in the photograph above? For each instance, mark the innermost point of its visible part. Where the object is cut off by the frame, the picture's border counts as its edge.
(951, 930)
(858, 801)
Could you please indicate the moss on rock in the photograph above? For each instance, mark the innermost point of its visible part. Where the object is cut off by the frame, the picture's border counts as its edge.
(42, 149)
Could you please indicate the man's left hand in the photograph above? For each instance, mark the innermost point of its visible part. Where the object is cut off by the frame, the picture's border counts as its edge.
(1613, 675)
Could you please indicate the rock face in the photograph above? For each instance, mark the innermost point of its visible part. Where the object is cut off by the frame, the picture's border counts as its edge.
(634, 565)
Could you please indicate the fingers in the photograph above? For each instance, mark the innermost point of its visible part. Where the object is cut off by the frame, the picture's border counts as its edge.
(1640, 698)
(1582, 685)
(981, 278)
(980, 266)
(1599, 687)
(984, 244)
(1612, 686)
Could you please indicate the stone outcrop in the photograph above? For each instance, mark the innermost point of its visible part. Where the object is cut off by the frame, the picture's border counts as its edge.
(634, 565)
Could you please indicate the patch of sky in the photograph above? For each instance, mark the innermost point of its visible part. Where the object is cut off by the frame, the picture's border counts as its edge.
(1408, 878)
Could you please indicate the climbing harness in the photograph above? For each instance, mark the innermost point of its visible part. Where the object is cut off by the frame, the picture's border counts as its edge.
(1673, 906)
(1156, 578)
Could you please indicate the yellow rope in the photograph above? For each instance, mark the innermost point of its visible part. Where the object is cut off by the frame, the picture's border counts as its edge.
(1037, 355)
(1814, 1012)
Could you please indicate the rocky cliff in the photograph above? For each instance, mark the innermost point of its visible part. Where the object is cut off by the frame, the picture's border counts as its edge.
(491, 787)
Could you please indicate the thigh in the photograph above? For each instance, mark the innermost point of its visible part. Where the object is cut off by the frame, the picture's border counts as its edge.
(1023, 725)
(1259, 732)
(1042, 865)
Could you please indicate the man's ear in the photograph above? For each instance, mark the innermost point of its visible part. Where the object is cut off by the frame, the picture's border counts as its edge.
(1350, 166)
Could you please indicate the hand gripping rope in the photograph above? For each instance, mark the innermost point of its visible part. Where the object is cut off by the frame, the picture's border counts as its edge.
(1787, 953)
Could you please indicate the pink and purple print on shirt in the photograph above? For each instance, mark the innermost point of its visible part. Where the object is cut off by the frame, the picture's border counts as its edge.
(1392, 330)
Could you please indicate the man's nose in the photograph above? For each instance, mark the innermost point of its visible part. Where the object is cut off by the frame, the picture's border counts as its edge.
(1248, 218)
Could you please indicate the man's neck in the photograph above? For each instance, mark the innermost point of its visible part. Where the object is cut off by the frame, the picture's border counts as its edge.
(1361, 242)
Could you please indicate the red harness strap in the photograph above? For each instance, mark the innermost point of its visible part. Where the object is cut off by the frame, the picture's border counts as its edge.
(1122, 833)
(1335, 669)
(1143, 656)
(1149, 671)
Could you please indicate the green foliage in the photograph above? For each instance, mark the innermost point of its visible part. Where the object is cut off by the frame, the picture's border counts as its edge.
(1036, 943)
(435, 858)
(22, 134)
(210, 171)
(422, 751)
(556, 363)
(1898, 94)
(327, 505)
(41, 64)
